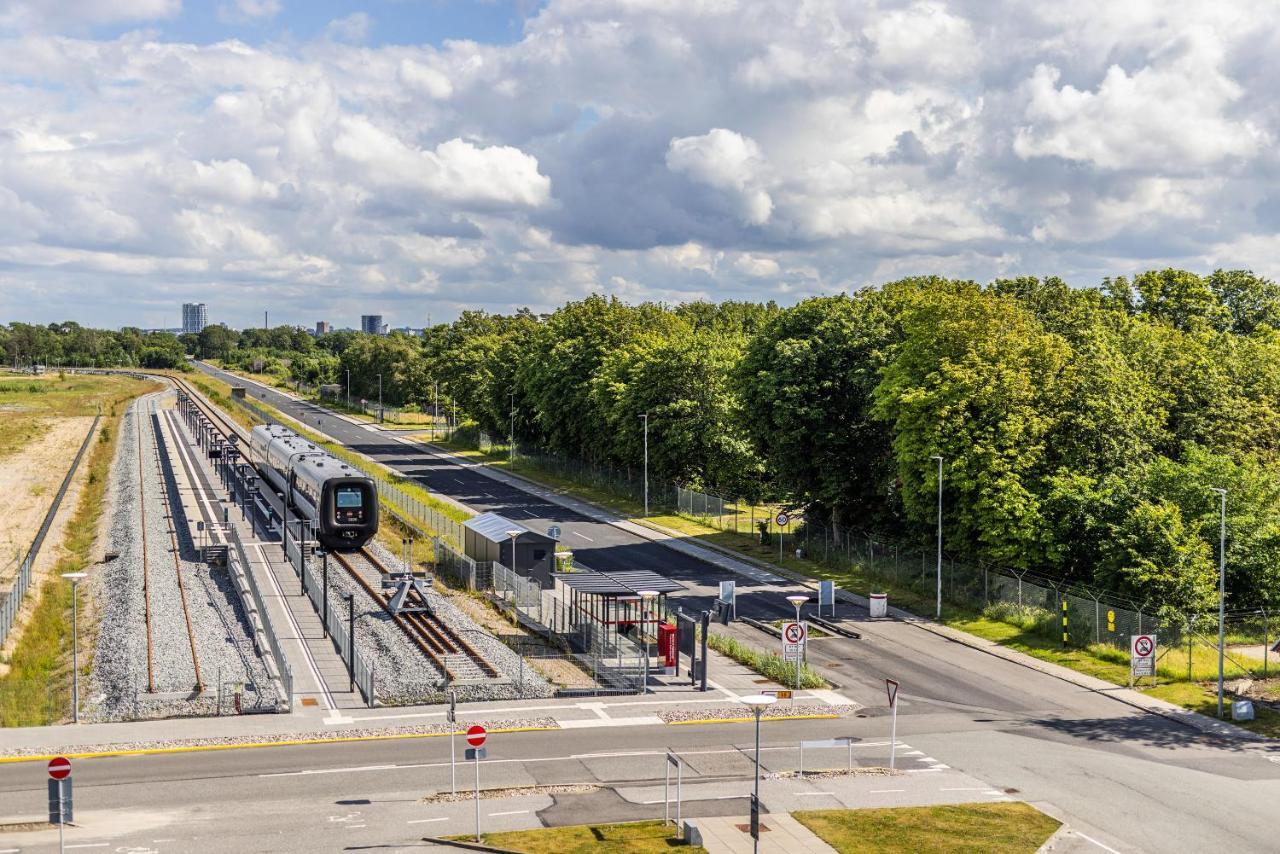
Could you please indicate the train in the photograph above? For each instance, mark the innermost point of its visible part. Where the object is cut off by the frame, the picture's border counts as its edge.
(337, 497)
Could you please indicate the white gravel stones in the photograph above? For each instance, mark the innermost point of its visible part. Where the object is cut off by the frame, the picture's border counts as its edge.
(781, 709)
(119, 681)
(516, 680)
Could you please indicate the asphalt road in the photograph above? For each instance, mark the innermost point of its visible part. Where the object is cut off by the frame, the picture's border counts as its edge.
(1130, 780)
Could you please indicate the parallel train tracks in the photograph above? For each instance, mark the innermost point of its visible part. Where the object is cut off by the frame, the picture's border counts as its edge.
(149, 416)
(441, 644)
(446, 648)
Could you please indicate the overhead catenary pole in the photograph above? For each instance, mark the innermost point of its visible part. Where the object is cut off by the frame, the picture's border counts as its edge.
(1222, 588)
(938, 458)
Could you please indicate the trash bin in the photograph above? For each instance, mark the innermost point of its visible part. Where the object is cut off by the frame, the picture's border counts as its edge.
(879, 604)
(1242, 710)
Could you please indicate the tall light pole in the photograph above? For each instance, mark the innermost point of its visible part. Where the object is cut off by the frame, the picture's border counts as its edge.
(797, 600)
(75, 578)
(645, 418)
(435, 406)
(380, 414)
(511, 437)
(939, 610)
(348, 388)
(757, 703)
(1222, 587)
(513, 534)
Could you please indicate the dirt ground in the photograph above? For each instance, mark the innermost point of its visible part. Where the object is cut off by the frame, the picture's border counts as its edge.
(30, 480)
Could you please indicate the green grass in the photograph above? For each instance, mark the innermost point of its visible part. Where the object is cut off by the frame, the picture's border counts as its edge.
(641, 837)
(1204, 699)
(27, 402)
(1013, 828)
(767, 664)
(36, 691)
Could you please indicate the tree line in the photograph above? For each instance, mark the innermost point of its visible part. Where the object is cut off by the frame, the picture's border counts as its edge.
(70, 345)
(1081, 430)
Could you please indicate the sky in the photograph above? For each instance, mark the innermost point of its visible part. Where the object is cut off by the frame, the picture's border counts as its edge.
(416, 158)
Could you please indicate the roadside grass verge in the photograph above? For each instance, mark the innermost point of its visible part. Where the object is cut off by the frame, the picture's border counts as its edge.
(27, 401)
(641, 837)
(1012, 828)
(767, 664)
(36, 690)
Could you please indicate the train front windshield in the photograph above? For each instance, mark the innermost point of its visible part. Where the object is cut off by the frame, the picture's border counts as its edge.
(349, 505)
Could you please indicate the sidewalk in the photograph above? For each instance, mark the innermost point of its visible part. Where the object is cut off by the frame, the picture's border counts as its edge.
(779, 834)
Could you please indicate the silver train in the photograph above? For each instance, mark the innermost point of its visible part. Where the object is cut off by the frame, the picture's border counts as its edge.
(338, 498)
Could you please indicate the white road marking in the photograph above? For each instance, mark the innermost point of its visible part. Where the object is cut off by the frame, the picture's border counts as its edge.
(1083, 836)
(354, 826)
(584, 536)
(89, 845)
(509, 812)
(885, 791)
(967, 789)
(814, 794)
(716, 798)
(427, 820)
(10, 851)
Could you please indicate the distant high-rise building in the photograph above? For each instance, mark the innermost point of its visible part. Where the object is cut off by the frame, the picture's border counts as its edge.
(322, 327)
(195, 317)
(372, 324)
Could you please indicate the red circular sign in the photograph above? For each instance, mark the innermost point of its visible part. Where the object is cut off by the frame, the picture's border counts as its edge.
(1142, 646)
(59, 767)
(794, 633)
(476, 735)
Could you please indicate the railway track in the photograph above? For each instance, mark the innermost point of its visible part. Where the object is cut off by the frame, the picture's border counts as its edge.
(446, 648)
(177, 561)
(146, 581)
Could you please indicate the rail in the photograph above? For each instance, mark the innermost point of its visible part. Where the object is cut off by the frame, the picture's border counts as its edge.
(13, 601)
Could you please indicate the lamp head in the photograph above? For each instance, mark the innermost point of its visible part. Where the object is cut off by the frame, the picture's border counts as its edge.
(757, 702)
(75, 576)
(797, 599)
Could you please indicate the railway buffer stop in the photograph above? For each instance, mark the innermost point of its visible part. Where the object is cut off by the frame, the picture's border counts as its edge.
(488, 537)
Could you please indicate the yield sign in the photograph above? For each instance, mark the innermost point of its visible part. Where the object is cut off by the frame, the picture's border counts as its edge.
(476, 735)
(59, 767)
(891, 687)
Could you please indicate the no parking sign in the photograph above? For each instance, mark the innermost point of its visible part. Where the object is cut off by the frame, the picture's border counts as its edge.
(1142, 655)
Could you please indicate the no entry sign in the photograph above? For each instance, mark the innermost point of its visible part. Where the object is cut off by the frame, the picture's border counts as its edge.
(476, 735)
(59, 767)
(1142, 655)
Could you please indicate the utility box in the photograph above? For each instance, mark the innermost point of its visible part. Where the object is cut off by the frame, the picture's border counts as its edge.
(879, 604)
(237, 391)
(667, 646)
(1242, 710)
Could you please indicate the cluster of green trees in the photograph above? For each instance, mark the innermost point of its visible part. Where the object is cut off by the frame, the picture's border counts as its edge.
(72, 345)
(1081, 430)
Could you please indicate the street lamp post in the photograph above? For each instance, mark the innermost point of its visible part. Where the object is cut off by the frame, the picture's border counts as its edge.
(381, 414)
(75, 578)
(1222, 587)
(797, 600)
(757, 703)
(348, 388)
(513, 534)
(645, 417)
(435, 406)
(511, 437)
(939, 609)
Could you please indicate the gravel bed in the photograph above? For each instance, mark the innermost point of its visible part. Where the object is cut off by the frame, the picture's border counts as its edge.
(492, 725)
(118, 682)
(509, 792)
(868, 771)
(519, 680)
(782, 709)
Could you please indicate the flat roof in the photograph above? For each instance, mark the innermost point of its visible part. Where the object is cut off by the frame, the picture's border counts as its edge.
(628, 582)
(494, 528)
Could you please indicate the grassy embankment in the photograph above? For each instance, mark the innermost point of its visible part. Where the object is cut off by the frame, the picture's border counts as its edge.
(1012, 828)
(36, 690)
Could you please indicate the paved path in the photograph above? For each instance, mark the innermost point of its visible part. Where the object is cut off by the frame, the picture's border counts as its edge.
(779, 834)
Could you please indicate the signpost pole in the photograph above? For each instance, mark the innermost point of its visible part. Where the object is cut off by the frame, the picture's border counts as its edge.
(453, 738)
(891, 687)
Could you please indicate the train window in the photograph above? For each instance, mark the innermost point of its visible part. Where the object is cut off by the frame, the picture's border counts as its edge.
(350, 497)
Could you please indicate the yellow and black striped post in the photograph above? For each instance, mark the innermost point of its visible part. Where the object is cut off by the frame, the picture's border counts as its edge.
(1064, 622)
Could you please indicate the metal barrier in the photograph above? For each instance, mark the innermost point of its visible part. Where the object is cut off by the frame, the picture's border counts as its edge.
(13, 601)
(362, 671)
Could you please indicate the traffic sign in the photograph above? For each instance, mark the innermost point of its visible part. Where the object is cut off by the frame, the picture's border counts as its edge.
(476, 735)
(793, 637)
(782, 519)
(891, 688)
(59, 767)
(781, 694)
(474, 754)
(1142, 655)
(554, 532)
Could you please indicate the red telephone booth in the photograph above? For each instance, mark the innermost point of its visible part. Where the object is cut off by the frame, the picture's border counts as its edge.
(667, 644)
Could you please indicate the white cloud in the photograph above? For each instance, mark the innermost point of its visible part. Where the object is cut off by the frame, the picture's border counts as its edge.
(248, 11)
(656, 148)
(352, 28)
(726, 161)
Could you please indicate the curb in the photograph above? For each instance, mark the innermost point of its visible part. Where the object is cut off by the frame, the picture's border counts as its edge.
(469, 846)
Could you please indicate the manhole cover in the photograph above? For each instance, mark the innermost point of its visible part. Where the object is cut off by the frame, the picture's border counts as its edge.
(746, 828)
